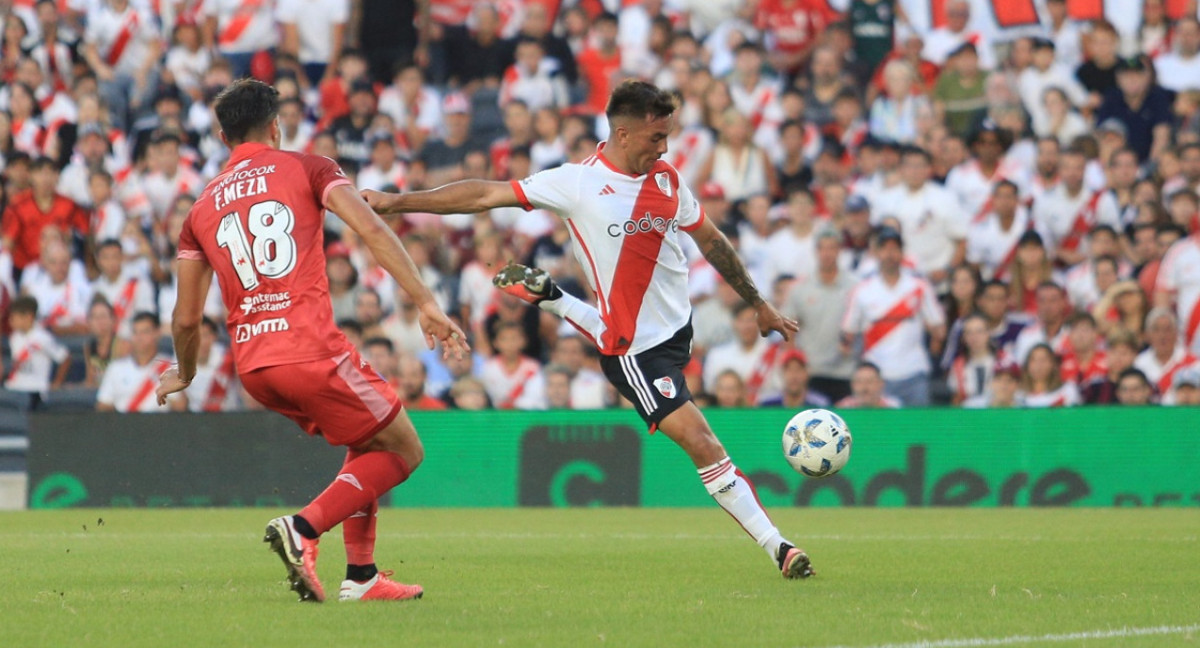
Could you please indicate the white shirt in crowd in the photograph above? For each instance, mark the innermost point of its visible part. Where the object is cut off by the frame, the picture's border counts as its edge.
(732, 355)
(993, 248)
(1179, 275)
(1059, 214)
(129, 294)
(34, 354)
(129, 387)
(314, 20)
(243, 26)
(122, 39)
(522, 388)
(892, 322)
(215, 386)
(1176, 73)
(931, 222)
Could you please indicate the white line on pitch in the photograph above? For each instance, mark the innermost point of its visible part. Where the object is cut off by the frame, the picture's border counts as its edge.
(1116, 633)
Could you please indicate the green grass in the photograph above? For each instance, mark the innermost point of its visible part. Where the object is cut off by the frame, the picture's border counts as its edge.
(610, 577)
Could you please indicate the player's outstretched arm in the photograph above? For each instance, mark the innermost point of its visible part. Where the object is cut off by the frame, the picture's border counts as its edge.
(194, 279)
(344, 201)
(720, 253)
(464, 197)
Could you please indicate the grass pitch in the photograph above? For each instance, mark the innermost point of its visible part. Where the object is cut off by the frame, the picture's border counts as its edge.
(615, 577)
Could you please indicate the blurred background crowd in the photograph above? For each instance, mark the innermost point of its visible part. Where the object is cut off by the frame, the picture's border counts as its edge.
(981, 203)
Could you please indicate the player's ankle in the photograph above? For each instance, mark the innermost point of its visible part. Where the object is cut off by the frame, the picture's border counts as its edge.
(361, 573)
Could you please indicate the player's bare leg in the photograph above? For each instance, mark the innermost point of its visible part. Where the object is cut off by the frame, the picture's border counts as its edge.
(735, 493)
(371, 469)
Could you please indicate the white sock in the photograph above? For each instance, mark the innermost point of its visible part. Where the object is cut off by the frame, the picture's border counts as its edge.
(579, 313)
(734, 492)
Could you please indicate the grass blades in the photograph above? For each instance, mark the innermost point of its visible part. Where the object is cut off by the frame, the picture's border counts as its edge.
(614, 577)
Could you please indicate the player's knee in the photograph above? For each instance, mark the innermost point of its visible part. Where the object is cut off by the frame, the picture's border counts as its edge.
(414, 453)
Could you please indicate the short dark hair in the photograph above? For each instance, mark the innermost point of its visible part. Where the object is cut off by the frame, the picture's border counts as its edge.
(351, 326)
(107, 243)
(245, 107)
(639, 100)
(147, 316)
(1135, 373)
(871, 366)
(42, 162)
(24, 305)
(1008, 184)
(210, 324)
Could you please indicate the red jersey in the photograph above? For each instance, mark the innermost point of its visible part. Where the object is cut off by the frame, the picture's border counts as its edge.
(24, 221)
(793, 25)
(260, 226)
(598, 69)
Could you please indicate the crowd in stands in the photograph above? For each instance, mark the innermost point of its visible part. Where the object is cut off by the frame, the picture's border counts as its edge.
(973, 203)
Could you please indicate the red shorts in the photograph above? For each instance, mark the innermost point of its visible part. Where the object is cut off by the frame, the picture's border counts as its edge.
(340, 398)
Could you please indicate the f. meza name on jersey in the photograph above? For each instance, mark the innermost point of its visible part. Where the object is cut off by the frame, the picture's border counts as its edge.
(240, 184)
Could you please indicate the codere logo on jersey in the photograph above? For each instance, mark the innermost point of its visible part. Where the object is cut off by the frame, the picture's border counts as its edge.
(244, 332)
(646, 223)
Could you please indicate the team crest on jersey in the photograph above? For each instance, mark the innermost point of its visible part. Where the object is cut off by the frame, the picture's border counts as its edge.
(664, 183)
(665, 386)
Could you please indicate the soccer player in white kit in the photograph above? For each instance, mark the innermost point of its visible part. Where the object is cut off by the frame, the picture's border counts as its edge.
(624, 207)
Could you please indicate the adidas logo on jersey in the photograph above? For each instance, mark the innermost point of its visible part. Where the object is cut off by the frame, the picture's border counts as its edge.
(607, 191)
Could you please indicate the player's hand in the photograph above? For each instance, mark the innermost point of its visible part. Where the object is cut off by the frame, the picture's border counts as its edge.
(379, 201)
(770, 319)
(437, 326)
(169, 383)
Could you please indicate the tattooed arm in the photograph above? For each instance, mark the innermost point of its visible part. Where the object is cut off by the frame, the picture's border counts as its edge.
(720, 253)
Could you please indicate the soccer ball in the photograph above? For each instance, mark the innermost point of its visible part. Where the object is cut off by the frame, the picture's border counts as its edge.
(816, 443)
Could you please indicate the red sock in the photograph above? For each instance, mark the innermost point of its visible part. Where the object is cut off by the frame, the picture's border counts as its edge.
(363, 480)
(358, 530)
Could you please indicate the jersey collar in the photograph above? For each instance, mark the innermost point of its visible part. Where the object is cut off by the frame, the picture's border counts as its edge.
(608, 163)
(243, 151)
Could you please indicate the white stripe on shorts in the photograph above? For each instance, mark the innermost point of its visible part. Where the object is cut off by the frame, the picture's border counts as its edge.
(633, 374)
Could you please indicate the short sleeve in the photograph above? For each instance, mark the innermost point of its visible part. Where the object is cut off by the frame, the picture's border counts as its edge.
(554, 189)
(189, 247)
(691, 214)
(341, 12)
(105, 393)
(56, 351)
(852, 318)
(323, 175)
(286, 11)
(1166, 272)
(931, 310)
(12, 223)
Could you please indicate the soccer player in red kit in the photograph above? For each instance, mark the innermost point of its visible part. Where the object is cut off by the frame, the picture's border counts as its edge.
(626, 210)
(258, 226)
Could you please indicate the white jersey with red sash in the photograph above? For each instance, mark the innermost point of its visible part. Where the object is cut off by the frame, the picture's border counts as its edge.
(128, 294)
(34, 354)
(243, 26)
(994, 248)
(1068, 218)
(974, 189)
(129, 387)
(122, 39)
(1179, 275)
(625, 233)
(162, 190)
(62, 304)
(215, 386)
(55, 61)
(892, 321)
(1160, 374)
(520, 388)
(761, 106)
(687, 152)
